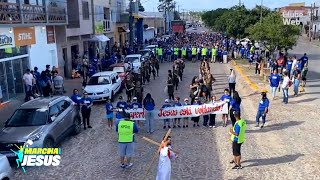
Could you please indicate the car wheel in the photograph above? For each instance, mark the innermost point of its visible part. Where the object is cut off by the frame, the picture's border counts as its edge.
(112, 97)
(48, 143)
(77, 125)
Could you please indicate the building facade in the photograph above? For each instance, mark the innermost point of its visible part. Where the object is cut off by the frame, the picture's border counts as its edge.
(27, 40)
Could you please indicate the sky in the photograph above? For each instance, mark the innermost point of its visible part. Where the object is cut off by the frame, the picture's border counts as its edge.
(199, 5)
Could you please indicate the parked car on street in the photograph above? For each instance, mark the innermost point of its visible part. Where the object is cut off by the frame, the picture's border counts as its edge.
(122, 71)
(146, 53)
(44, 121)
(103, 85)
(5, 168)
(135, 60)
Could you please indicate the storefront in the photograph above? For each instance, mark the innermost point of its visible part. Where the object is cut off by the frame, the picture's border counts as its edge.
(23, 48)
(14, 60)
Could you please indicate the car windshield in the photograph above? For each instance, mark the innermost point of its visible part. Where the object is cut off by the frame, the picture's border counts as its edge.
(28, 117)
(99, 80)
(118, 69)
(132, 59)
(144, 53)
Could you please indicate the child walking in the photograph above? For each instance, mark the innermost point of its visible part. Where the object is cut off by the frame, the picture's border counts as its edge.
(176, 104)
(109, 113)
(166, 122)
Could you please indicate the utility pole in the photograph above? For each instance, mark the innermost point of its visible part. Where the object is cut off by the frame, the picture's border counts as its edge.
(131, 19)
(239, 3)
(311, 22)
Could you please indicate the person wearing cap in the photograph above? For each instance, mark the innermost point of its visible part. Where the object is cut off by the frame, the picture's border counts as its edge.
(197, 118)
(166, 122)
(237, 133)
(86, 103)
(121, 104)
(109, 112)
(135, 105)
(262, 109)
(186, 119)
(126, 130)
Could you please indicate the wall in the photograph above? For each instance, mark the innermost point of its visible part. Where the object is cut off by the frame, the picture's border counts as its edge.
(148, 34)
(85, 25)
(42, 53)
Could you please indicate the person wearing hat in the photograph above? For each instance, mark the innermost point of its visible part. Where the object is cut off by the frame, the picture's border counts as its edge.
(126, 130)
(121, 104)
(109, 112)
(237, 133)
(262, 109)
(166, 122)
(86, 103)
(186, 119)
(136, 105)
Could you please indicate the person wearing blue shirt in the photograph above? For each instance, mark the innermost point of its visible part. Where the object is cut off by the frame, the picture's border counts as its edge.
(166, 121)
(304, 59)
(91, 70)
(234, 106)
(149, 104)
(220, 55)
(299, 65)
(289, 66)
(225, 55)
(86, 103)
(176, 104)
(226, 98)
(274, 80)
(242, 52)
(121, 104)
(262, 109)
(135, 105)
(109, 113)
(169, 54)
(76, 98)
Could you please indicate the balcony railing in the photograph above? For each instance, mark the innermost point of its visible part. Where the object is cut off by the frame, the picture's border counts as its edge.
(12, 13)
(106, 25)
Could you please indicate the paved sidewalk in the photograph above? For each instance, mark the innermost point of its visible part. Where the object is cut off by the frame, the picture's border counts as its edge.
(7, 110)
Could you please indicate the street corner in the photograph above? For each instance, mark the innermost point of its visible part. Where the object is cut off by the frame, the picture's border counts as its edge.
(245, 77)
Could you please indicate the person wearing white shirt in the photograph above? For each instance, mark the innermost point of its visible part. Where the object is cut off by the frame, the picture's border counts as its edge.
(285, 86)
(28, 80)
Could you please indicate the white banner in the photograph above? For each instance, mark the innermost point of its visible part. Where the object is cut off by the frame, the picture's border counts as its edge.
(181, 111)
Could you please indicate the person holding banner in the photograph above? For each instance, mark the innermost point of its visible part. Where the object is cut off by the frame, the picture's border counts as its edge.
(166, 121)
(226, 98)
(176, 104)
(149, 104)
(212, 117)
(194, 88)
(186, 119)
(197, 118)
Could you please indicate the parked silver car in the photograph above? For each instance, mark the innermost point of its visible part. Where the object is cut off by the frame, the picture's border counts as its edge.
(44, 121)
(5, 168)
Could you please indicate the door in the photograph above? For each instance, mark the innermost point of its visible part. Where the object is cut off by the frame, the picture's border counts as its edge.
(65, 61)
(65, 115)
(55, 126)
(10, 79)
(18, 74)
(3, 84)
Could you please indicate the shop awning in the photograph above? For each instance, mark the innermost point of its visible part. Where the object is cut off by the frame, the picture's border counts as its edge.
(100, 38)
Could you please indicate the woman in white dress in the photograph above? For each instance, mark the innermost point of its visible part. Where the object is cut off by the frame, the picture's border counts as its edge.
(164, 166)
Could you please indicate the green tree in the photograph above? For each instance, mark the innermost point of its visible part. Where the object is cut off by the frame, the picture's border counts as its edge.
(141, 8)
(273, 34)
(166, 5)
(176, 15)
(210, 17)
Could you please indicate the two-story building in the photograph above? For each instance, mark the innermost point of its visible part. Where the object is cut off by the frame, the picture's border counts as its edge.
(27, 39)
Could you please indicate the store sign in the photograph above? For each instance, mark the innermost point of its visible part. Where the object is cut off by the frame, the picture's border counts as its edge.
(50, 35)
(24, 36)
(6, 38)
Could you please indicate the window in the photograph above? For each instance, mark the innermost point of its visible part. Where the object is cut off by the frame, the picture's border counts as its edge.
(85, 10)
(63, 105)
(99, 80)
(54, 111)
(114, 80)
(28, 117)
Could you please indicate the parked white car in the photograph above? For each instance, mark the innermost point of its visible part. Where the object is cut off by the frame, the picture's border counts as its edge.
(135, 60)
(5, 168)
(102, 85)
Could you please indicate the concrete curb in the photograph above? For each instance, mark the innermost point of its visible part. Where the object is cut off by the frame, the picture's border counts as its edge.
(239, 70)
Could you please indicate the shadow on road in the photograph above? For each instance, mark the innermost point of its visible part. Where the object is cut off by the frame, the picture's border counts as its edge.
(275, 127)
(303, 100)
(273, 160)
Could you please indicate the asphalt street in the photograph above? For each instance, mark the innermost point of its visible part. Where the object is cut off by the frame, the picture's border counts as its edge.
(313, 77)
